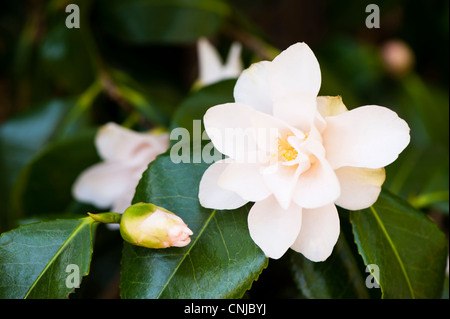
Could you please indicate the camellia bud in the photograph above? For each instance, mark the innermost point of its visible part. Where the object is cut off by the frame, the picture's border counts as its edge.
(150, 226)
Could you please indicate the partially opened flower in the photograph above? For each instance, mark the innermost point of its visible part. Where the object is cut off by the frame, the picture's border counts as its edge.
(211, 68)
(125, 154)
(320, 155)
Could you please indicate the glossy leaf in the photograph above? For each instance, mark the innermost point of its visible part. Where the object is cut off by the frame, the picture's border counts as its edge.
(65, 57)
(44, 185)
(22, 138)
(408, 248)
(46, 259)
(162, 21)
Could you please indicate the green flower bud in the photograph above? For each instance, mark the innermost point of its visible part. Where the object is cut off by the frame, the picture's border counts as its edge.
(151, 226)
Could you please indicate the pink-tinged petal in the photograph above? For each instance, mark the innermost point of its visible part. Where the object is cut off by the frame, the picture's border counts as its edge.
(294, 71)
(252, 88)
(230, 129)
(369, 136)
(102, 184)
(317, 186)
(319, 233)
(273, 228)
(211, 195)
(330, 105)
(245, 179)
(116, 143)
(360, 186)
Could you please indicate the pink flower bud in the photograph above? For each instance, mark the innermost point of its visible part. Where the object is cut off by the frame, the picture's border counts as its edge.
(151, 226)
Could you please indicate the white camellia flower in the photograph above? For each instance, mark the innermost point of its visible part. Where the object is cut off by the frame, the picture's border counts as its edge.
(321, 155)
(126, 154)
(211, 69)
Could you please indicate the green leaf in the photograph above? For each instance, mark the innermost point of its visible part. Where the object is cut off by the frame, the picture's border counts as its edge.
(408, 248)
(220, 262)
(336, 278)
(22, 138)
(161, 21)
(34, 258)
(426, 187)
(44, 185)
(65, 57)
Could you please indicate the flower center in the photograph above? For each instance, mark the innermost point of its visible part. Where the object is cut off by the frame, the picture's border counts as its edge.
(286, 152)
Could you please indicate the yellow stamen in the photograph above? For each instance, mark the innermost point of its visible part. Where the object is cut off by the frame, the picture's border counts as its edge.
(286, 152)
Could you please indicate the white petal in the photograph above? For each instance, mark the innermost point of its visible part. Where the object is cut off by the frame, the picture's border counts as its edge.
(360, 186)
(268, 129)
(102, 184)
(273, 228)
(319, 233)
(245, 179)
(114, 142)
(297, 109)
(369, 136)
(252, 88)
(233, 66)
(230, 129)
(209, 62)
(281, 182)
(317, 186)
(294, 71)
(211, 195)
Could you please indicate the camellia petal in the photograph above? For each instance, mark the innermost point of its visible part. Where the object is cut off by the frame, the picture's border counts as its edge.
(273, 228)
(268, 129)
(297, 109)
(252, 88)
(369, 136)
(294, 71)
(319, 232)
(281, 182)
(360, 186)
(230, 129)
(245, 180)
(102, 184)
(211, 195)
(209, 62)
(317, 186)
(116, 143)
(211, 69)
(113, 142)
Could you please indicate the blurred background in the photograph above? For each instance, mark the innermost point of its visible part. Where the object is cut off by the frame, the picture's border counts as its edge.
(135, 61)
